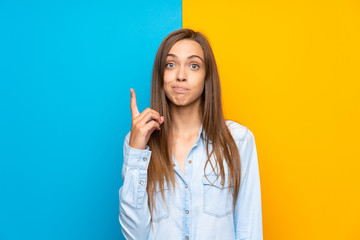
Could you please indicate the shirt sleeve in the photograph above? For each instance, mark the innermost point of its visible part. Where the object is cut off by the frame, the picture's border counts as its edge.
(248, 210)
(134, 215)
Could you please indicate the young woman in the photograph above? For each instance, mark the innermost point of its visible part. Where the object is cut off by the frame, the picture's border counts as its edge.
(188, 173)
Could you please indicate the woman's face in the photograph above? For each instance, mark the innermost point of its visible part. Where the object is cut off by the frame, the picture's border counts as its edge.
(184, 74)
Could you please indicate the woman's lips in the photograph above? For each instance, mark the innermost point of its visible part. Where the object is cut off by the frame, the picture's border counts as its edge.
(180, 89)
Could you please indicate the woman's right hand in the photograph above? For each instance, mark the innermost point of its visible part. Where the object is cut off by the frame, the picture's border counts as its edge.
(143, 124)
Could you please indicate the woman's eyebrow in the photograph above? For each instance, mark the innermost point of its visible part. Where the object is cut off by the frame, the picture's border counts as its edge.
(192, 56)
(196, 56)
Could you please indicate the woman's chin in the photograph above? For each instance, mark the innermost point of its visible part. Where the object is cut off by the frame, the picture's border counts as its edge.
(183, 103)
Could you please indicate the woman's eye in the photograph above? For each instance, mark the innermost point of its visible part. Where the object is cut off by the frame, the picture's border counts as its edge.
(170, 65)
(194, 66)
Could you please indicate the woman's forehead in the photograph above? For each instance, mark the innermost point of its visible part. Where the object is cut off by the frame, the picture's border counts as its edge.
(185, 48)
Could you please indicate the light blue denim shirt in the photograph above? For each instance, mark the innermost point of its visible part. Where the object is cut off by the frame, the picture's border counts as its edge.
(198, 209)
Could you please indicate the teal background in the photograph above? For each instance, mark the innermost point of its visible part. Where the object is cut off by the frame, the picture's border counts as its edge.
(66, 68)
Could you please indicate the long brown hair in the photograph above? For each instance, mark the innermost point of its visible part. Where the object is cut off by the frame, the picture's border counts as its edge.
(216, 132)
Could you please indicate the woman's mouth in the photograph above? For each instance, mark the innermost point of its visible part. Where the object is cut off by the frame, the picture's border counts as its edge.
(180, 89)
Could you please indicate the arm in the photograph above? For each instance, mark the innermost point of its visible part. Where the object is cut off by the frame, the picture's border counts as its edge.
(134, 214)
(248, 215)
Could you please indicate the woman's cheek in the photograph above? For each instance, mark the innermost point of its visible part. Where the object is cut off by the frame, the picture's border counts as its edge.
(167, 90)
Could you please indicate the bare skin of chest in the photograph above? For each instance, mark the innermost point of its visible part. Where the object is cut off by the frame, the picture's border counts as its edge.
(181, 148)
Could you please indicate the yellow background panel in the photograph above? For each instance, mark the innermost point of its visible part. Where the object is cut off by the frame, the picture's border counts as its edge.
(290, 72)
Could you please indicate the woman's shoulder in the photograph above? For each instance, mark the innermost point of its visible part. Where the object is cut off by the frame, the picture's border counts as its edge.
(237, 130)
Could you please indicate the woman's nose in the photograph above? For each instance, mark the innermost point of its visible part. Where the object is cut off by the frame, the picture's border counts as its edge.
(181, 75)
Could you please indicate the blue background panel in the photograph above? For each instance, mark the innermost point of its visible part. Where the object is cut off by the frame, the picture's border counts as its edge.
(66, 68)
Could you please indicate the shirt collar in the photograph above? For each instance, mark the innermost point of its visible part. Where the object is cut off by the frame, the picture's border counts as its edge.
(201, 135)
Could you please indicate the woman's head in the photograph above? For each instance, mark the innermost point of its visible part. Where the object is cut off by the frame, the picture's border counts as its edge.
(164, 77)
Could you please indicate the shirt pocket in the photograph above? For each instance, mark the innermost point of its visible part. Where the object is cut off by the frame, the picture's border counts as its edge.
(218, 201)
(160, 212)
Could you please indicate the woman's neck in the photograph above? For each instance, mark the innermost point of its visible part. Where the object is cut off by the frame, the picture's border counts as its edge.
(185, 120)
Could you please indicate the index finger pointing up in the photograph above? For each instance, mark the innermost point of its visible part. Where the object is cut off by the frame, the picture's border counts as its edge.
(133, 105)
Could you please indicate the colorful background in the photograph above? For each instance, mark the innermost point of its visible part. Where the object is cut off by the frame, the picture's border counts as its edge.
(289, 72)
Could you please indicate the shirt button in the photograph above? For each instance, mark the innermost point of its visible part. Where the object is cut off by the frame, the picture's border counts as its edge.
(189, 161)
(186, 238)
(141, 182)
(145, 159)
(187, 211)
(186, 186)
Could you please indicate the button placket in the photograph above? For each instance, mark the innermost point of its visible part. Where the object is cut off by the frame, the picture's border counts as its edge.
(187, 193)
